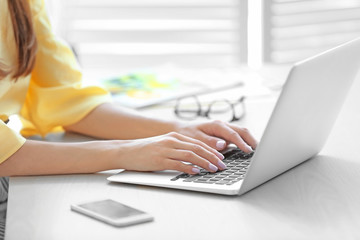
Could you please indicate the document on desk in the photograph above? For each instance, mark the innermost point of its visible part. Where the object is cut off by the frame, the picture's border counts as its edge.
(144, 89)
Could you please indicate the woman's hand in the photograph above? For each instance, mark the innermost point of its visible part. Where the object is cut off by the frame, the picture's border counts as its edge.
(195, 143)
(168, 151)
(218, 135)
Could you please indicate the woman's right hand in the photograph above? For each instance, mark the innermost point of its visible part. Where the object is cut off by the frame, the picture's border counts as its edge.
(171, 151)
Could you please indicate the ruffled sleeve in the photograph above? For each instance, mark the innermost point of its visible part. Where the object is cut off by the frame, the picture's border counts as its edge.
(55, 95)
(10, 141)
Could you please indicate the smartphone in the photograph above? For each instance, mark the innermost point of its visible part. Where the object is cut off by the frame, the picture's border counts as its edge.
(112, 212)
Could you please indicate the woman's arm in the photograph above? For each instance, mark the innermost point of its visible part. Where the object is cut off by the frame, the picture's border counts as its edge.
(150, 145)
(42, 158)
(108, 121)
(147, 154)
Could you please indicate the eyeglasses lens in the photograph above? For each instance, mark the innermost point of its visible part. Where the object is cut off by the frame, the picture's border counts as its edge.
(221, 110)
(239, 110)
(188, 108)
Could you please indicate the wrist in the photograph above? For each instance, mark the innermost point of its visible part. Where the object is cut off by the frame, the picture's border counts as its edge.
(165, 126)
(115, 153)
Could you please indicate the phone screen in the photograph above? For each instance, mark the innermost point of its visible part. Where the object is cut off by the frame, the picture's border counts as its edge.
(111, 209)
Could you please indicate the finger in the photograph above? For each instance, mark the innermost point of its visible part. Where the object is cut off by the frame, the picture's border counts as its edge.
(172, 164)
(197, 154)
(245, 135)
(198, 142)
(214, 142)
(225, 131)
(192, 157)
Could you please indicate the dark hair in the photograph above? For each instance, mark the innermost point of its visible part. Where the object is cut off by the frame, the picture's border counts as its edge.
(25, 40)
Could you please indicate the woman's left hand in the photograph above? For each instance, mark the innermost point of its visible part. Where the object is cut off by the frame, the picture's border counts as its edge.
(218, 134)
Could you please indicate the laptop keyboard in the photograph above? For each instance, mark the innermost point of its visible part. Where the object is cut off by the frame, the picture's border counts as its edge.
(236, 161)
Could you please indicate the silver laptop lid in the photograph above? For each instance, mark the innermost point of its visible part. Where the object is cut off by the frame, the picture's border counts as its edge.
(305, 112)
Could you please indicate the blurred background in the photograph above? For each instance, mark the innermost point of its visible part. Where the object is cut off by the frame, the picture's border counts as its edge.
(150, 52)
(127, 34)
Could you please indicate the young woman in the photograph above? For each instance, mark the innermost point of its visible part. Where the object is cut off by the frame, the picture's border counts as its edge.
(41, 82)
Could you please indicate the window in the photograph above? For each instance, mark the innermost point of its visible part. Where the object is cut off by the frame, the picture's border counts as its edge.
(202, 33)
(296, 29)
(142, 33)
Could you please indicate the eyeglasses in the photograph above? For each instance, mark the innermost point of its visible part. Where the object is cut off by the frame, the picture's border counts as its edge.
(189, 108)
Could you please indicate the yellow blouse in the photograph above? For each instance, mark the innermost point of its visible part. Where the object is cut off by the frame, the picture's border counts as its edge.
(52, 95)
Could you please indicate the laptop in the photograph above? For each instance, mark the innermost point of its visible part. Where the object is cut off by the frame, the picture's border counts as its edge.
(300, 123)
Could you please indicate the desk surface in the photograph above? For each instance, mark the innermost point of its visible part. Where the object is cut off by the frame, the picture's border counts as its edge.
(317, 200)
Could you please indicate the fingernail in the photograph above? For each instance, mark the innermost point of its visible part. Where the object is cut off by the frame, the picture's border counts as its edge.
(222, 164)
(220, 155)
(220, 144)
(249, 149)
(213, 167)
(195, 170)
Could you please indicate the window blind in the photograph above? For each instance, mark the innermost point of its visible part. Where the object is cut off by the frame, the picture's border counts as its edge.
(296, 29)
(142, 33)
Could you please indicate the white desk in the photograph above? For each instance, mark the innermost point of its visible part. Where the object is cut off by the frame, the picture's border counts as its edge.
(319, 199)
